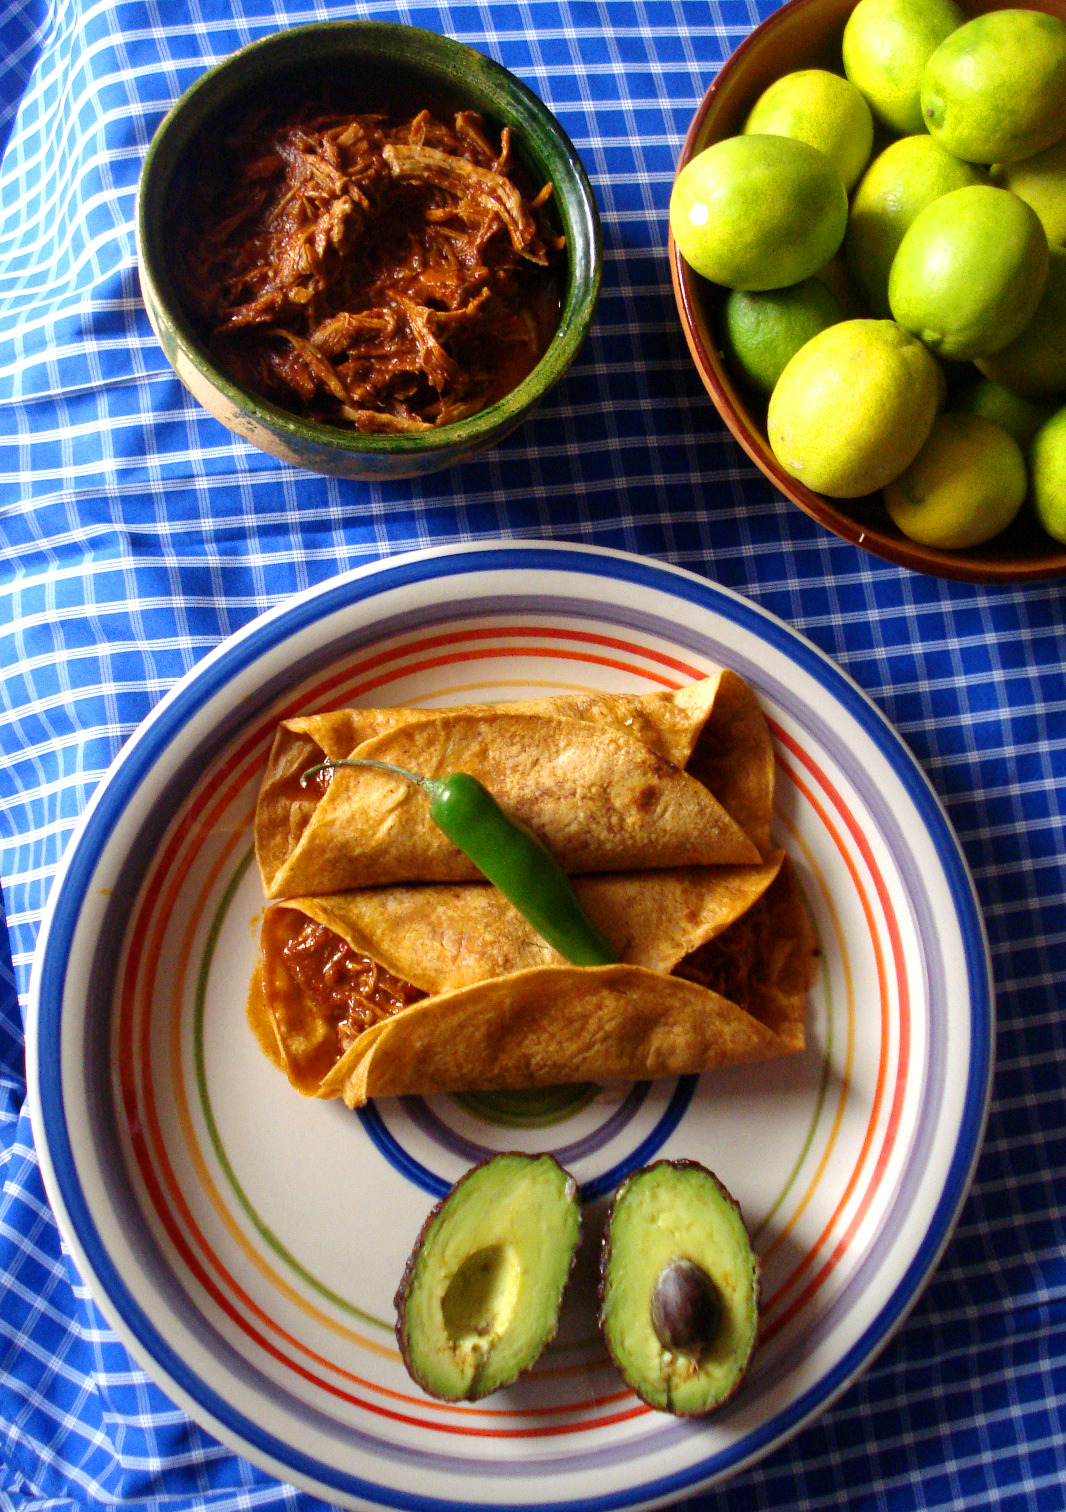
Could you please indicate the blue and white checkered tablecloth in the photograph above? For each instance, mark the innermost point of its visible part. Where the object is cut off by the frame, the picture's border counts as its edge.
(135, 533)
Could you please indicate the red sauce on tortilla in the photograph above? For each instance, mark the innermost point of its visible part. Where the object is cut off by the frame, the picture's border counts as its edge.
(323, 994)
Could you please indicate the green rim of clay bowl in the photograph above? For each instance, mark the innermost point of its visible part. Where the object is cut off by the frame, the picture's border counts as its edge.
(806, 34)
(415, 59)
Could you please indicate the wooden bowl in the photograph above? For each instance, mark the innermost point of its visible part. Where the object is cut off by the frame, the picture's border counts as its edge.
(807, 34)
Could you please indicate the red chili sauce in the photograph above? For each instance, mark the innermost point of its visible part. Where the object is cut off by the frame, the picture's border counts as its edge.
(364, 271)
(323, 993)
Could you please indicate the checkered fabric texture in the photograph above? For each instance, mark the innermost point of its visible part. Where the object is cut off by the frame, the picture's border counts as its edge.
(135, 533)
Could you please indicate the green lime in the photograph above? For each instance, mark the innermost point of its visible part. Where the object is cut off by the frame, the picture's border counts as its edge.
(969, 272)
(995, 90)
(965, 485)
(821, 109)
(763, 331)
(1034, 363)
(1041, 182)
(900, 182)
(758, 212)
(1047, 466)
(853, 406)
(887, 44)
(1017, 415)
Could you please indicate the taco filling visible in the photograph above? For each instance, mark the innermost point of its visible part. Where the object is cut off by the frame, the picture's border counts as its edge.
(323, 994)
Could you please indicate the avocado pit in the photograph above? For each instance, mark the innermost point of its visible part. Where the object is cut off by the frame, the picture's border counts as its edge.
(686, 1311)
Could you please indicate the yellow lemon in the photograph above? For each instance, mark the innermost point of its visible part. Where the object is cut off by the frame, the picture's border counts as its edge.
(995, 90)
(1041, 182)
(900, 182)
(965, 485)
(853, 406)
(758, 212)
(821, 109)
(1047, 464)
(887, 44)
(1034, 363)
(969, 273)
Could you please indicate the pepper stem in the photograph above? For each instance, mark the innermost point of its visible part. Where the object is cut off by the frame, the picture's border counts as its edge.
(430, 785)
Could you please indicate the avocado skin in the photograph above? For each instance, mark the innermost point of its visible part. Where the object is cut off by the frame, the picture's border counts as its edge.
(550, 1289)
(692, 1180)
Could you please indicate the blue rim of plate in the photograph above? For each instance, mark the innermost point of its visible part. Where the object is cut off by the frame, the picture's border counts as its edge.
(134, 764)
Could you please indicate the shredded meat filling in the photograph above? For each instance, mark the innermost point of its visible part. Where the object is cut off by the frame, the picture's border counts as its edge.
(382, 276)
(344, 987)
(726, 964)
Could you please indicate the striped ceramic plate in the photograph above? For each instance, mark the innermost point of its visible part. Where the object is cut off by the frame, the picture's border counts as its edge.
(245, 1243)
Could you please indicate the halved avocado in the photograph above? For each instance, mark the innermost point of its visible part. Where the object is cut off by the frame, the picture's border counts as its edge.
(679, 1288)
(480, 1297)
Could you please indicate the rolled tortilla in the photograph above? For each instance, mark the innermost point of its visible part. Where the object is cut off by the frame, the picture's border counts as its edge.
(502, 1010)
(609, 782)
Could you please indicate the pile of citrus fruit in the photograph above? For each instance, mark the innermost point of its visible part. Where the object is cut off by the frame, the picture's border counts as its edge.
(893, 240)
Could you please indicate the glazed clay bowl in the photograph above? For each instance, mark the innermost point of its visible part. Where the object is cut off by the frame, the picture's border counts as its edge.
(807, 34)
(394, 62)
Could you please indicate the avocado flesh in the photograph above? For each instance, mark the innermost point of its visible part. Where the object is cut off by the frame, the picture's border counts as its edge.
(481, 1294)
(668, 1212)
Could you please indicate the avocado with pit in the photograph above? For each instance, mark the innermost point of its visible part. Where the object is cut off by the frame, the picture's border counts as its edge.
(480, 1297)
(679, 1288)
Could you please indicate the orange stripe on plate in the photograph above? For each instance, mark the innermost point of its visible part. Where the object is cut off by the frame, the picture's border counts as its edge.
(845, 1079)
(191, 828)
(903, 1062)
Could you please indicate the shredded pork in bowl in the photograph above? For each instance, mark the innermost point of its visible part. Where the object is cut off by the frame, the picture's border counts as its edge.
(366, 248)
(386, 275)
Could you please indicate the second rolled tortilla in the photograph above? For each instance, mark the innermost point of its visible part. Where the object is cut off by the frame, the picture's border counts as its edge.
(502, 1010)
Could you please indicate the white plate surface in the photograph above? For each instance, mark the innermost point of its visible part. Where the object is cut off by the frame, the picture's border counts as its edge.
(246, 1243)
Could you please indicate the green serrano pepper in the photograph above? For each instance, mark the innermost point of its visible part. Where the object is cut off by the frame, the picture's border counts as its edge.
(509, 854)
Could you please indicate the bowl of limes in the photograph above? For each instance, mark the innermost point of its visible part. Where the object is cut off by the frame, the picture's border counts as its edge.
(868, 253)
